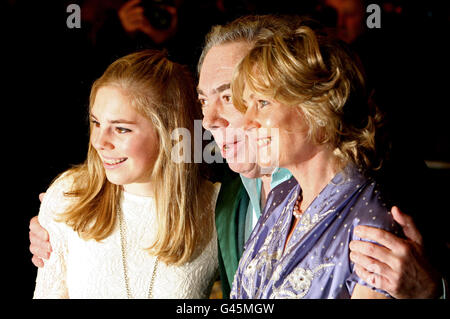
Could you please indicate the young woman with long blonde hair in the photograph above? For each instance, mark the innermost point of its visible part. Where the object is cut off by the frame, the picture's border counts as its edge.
(130, 222)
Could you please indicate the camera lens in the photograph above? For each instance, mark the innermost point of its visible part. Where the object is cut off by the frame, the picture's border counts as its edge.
(157, 15)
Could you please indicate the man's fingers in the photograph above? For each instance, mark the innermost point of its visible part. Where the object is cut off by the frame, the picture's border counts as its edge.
(37, 261)
(407, 223)
(135, 22)
(39, 252)
(378, 235)
(33, 222)
(37, 230)
(375, 280)
(374, 251)
(39, 248)
(41, 197)
(371, 264)
(137, 12)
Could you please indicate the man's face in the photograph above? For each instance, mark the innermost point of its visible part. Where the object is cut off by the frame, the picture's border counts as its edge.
(350, 22)
(220, 116)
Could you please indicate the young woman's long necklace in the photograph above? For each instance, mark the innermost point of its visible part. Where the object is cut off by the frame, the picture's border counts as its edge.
(124, 261)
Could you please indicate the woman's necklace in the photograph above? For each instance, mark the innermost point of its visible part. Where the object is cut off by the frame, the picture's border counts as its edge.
(124, 261)
(296, 211)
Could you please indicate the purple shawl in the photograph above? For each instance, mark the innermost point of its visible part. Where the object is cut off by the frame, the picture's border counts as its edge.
(316, 262)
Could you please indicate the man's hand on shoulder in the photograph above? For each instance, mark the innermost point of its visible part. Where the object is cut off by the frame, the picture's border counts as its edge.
(399, 266)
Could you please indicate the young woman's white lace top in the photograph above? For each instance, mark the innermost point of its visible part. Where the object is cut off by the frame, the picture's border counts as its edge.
(91, 269)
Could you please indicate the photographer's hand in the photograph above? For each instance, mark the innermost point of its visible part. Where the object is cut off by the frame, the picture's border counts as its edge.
(132, 18)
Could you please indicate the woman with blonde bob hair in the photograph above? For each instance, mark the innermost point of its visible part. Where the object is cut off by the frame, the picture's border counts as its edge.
(130, 222)
(306, 109)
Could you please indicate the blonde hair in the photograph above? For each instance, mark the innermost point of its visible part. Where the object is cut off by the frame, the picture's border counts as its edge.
(164, 92)
(318, 74)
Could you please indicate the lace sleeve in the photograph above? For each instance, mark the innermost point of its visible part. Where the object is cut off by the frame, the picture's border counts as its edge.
(51, 279)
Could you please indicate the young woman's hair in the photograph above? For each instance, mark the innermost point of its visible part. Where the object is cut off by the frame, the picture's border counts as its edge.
(309, 69)
(164, 92)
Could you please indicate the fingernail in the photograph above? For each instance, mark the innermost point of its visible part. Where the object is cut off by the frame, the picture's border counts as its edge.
(357, 231)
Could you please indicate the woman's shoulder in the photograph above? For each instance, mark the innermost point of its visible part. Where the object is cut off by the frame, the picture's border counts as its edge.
(56, 200)
(371, 209)
(62, 184)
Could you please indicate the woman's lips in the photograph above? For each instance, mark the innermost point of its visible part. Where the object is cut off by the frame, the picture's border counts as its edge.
(113, 162)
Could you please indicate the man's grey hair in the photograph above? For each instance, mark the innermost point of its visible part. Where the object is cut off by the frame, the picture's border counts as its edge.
(245, 29)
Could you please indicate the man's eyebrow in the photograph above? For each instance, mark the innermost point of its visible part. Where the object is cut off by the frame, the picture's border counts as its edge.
(122, 121)
(223, 87)
(199, 91)
(219, 89)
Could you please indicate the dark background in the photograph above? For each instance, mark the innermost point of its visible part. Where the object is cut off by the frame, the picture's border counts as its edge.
(48, 70)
